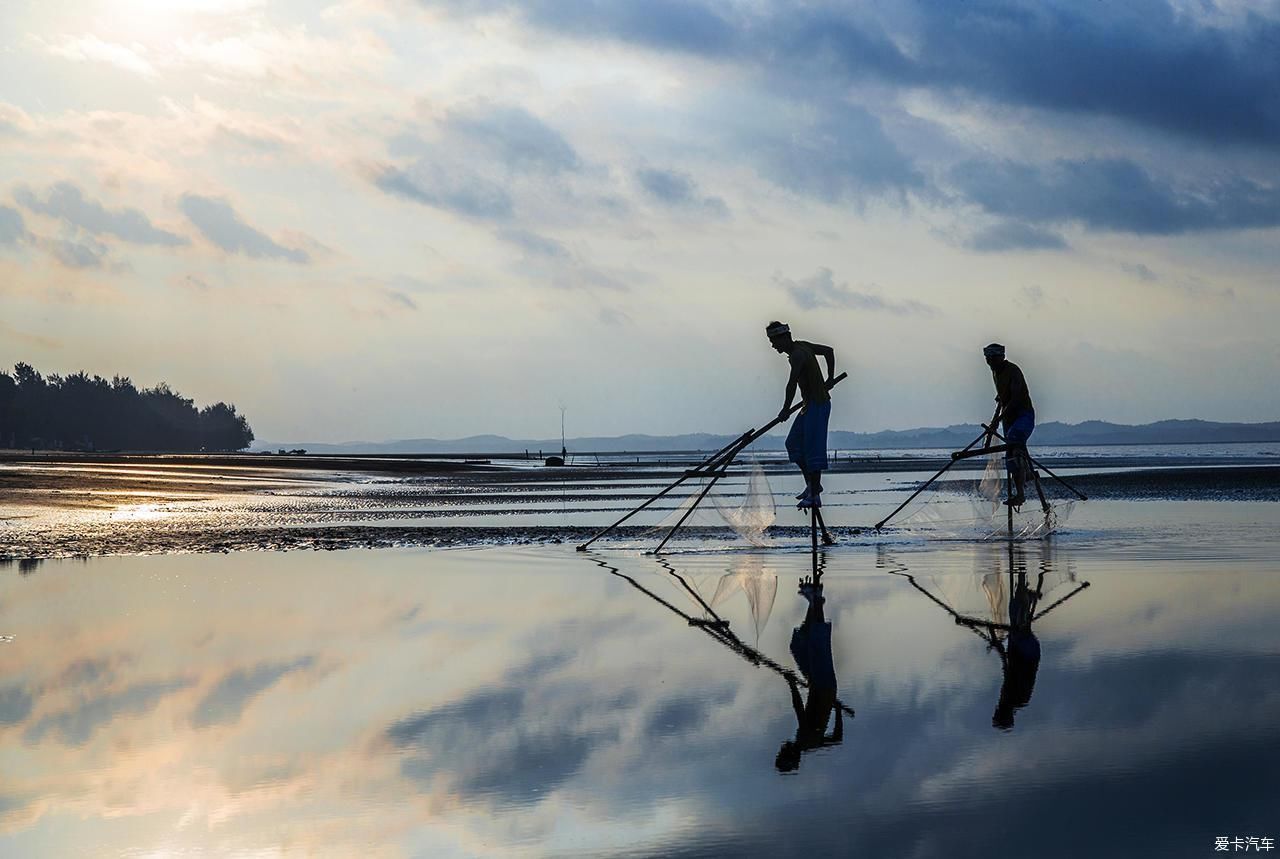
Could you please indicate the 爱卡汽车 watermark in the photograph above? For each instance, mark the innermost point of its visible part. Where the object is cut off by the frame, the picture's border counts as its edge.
(1234, 843)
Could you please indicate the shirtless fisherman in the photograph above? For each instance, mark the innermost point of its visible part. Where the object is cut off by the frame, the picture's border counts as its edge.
(1016, 414)
(807, 440)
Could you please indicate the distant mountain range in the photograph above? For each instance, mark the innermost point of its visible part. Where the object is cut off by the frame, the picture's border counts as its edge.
(950, 437)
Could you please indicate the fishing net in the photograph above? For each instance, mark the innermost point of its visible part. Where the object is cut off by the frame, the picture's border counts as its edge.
(741, 502)
(714, 591)
(972, 508)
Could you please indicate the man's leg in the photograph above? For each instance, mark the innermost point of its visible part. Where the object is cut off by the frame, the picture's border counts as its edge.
(816, 446)
(1017, 460)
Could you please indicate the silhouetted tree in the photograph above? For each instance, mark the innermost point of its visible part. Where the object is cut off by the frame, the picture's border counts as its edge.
(89, 413)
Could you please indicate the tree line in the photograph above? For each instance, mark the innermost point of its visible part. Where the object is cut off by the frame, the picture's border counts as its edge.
(83, 412)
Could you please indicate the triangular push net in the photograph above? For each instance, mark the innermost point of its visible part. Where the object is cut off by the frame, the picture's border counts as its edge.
(711, 592)
(967, 507)
(740, 504)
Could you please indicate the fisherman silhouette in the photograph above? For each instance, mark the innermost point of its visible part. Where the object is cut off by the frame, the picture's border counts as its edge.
(811, 649)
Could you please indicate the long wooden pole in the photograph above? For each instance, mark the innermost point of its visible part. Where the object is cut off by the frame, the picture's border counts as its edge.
(717, 462)
(954, 459)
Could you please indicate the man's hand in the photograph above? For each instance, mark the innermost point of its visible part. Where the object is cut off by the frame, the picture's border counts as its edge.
(782, 415)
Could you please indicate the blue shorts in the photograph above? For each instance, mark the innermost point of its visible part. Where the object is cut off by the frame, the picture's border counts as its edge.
(807, 441)
(1020, 430)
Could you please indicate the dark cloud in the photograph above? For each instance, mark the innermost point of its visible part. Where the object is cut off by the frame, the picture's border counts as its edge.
(1014, 236)
(84, 672)
(77, 254)
(534, 244)
(474, 153)
(514, 137)
(451, 190)
(227, 699)
(68, 203)
(218, 222)
(682, 715)
(75, 726)
(1144, 62)
(1112, 194)
(484, 747)
(669, 25)
(820, 290)
(839, 153)
(678, 190)
(15, 705)
(12, 228)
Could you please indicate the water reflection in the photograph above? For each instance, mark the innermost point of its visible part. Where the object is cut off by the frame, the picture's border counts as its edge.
(522, 702)
(1012, 607)
(811, 650)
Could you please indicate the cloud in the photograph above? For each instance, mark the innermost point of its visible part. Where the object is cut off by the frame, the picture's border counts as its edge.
(12, 228)
(90, 48)
(665, 25)
(1112, 194)
(68, 203)
(76, 725)
(1014, 236)
(15, 705)
(1147, 62)
(534, 244)
(218, 222)
(450, 190)
(821, 291)
(1140, 271)
(678, 190)
(514, 137)
(835, 153)
(1144, 62)
(227, 699)
(14, 121)
(466, 162)
(548, 262)
(88, 253)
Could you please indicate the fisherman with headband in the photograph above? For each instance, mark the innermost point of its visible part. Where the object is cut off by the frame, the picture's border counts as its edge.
(1016, 414)
(807, 440)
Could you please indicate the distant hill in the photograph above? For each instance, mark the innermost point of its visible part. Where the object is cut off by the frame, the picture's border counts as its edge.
(950, 437)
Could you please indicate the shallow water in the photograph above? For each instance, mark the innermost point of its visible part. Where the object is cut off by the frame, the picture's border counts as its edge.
(532, 702)
(180, 508)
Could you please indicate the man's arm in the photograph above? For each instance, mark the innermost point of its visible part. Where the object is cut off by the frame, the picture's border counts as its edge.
(829, 355)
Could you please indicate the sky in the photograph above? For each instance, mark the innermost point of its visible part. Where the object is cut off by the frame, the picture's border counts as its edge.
(376, 219)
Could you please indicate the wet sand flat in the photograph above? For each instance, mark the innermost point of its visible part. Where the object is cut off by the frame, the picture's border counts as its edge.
(125, 505)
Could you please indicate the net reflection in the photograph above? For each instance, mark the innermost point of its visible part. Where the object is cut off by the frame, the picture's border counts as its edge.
(1000, 603)
(810, 648)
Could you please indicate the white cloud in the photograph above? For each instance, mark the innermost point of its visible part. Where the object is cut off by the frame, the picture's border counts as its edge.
(89, 48)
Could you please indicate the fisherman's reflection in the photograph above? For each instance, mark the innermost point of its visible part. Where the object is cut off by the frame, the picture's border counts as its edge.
(1019, 654)
(1010, 635)
(811, 649)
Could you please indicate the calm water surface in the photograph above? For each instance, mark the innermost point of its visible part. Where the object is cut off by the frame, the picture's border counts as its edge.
(1078, 697)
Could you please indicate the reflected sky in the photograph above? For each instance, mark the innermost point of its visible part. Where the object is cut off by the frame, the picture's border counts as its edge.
(536, 702)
